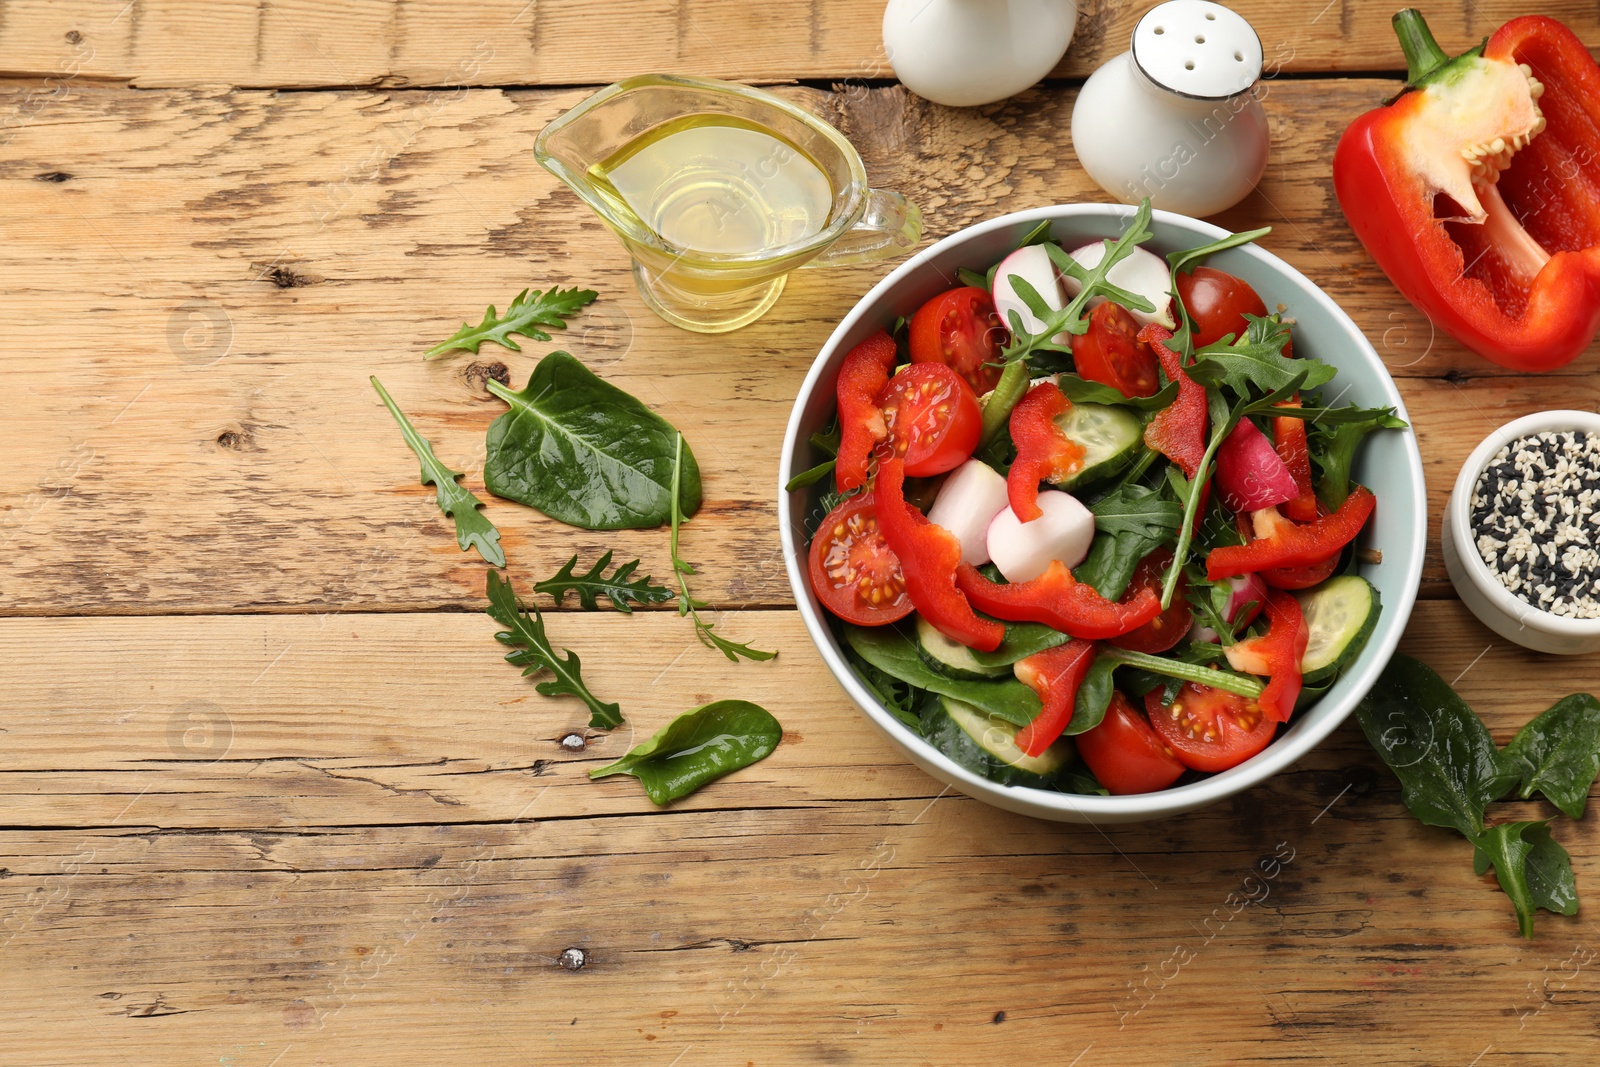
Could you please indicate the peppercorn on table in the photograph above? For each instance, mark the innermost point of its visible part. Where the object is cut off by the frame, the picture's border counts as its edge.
(273, 799)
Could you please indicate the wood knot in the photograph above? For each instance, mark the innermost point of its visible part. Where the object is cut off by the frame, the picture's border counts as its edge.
(573, 741)
(74, 37)
(478, 373)
(573, 959)
(285, 278)
(236, 440)
(57, 176)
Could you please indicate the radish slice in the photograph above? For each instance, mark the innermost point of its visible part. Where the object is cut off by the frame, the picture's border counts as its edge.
(970, 498)
(1023, 550)
(1250, 474)
(1248, 595)
(1142, 273)
(1033, 265)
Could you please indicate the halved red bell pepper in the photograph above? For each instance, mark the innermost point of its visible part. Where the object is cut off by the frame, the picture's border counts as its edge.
(861, 424)
(929, 555)
(1178, 431)
(1477, 192)
(1289, 438)
(1281, 543)
(1057, 599)
(1055, 674)
(1276, 654)
(1044, 452)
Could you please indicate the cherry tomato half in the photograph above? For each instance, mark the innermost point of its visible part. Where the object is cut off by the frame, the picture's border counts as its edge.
(1209, 729)
(1168, 628)
(933, 418)
(1218, 303)
(961, 330)
(854, 572)
(1125, 754)
(1111, 354)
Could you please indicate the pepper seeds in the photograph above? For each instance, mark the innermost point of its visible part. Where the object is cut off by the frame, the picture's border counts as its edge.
(1536, 521)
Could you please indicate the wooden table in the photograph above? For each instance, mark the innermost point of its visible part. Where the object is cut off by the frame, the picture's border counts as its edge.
(272, 798)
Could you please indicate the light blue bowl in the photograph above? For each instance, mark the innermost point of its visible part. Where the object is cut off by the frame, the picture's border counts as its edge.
(1389, 464)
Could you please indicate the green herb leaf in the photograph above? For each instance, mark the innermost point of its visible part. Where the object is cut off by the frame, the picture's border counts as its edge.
(697, 747)
(1022, 639)
(620, 588)
(584, 452)
(1094, 696)
(527, 313)
(473, 528)
(1446, 762)
(1082, 391)
(1137, 520)
(534, 652)
(810, 477)
(999, 402)
(1531, 866)
(1333, 443)
(1186, 260)
(1039, 235)
(892, 652)
(972, 278)
(687, 604)
(1558, 753)
(901, 698)
(1257, 360)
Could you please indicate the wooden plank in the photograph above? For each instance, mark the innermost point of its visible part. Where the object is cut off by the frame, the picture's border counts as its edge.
(752, 924)
(163, 43)
(194, 311)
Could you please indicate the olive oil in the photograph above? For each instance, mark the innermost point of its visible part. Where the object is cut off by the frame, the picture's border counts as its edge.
(717, 184)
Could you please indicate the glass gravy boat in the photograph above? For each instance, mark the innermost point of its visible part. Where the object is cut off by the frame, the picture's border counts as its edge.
(756, 188)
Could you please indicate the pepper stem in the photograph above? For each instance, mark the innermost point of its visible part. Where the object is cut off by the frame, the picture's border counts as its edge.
(1423, 54)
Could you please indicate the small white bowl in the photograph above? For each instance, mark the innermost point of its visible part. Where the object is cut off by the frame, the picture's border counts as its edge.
(1496, 606)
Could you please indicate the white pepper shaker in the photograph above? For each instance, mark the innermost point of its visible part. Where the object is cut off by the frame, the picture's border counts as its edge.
(1177, 118)
(969, 52)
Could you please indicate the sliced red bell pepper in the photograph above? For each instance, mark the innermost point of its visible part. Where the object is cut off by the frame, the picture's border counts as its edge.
(861, 424)
(1057, 599)
(929, 555)
(1476, 190)
(1276, 654)
(1281, 543)
(1044, 452)
(1289, 438)
(1055, 674)
(1178, 431)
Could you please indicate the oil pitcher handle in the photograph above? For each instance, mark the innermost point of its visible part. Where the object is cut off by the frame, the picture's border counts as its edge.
(891, 226)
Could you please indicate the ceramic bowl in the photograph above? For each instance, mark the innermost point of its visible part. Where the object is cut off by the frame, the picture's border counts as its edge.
(1496, 606)
(1389, 464)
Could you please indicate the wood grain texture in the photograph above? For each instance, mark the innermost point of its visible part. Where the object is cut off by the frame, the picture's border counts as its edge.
(373, 852)
(302, 43)
(201, 289)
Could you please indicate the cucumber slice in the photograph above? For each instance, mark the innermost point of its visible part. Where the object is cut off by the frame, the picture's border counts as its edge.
(951, 657)
(987, 745)
(1111, 437)
(1340, 615)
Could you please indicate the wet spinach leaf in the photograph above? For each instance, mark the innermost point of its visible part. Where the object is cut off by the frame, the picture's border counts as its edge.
(697, 747)
(1558, 753)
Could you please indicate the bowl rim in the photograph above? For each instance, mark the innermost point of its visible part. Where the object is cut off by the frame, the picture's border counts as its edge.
(1175, 800)
(1458, 513)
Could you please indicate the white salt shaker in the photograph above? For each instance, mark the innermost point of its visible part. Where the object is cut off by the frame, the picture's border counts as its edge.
(1176, 118)
(969, 52)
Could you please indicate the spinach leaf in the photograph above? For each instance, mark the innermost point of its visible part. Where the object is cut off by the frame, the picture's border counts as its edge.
(1081, 391)
(697, 747)
(1558, 753)
(1531, 866)
(528, 312)
(620, 587)
(1333, 443)
(810, 477)
(892, 652)
(1256, 359)
(473, 528)
(584, 452)
(1022, 639)
(525, 633)
(1094, 695)
(901, 698)
(1438, 748)
(1134, 520)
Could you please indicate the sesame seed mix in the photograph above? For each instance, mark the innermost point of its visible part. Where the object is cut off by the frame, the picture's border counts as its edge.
(1536, 516)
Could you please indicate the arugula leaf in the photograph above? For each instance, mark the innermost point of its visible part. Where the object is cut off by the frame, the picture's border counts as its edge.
(1531, 866)
(972, 278)
(697, 747)
(1333, 443)
(895, 654)
(584, 452)
(687, 604)
(473, 528)
(1558, 753)
(1094, 695)
(1082, 391)
(620, 587)
(527, 313)
(1256, 359)
(1446, 762)
(1187, 259)
(828, 440)
(534, 652)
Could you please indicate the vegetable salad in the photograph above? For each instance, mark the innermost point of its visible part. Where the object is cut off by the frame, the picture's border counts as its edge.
(1091, 524)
